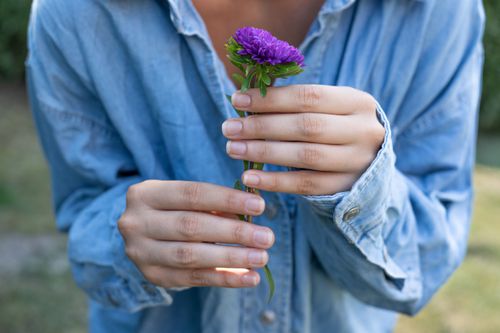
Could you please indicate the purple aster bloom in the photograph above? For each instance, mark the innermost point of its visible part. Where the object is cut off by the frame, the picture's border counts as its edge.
(264, 48)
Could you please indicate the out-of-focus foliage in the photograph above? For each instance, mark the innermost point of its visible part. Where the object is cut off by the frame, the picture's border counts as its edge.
(490, 106)
(13, 20)
(14, 17)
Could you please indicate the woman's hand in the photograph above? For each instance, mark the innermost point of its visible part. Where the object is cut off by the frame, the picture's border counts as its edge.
(333, 132)
(170, 229)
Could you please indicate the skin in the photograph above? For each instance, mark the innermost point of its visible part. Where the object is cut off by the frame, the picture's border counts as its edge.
(172, 229)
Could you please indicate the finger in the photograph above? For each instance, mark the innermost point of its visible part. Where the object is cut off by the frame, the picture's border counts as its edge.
(202, 255)
(305, 98)
(203, 227)
(299, 182)
(183, 195)
(338, 158)
(305, 127)
(171, 278)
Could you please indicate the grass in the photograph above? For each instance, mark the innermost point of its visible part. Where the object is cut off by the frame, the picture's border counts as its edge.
(40, 295)
(470, 301)
(24, 183)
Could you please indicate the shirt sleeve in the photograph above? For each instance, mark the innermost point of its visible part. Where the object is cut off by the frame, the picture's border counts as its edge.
(402, 229)
(91, 168)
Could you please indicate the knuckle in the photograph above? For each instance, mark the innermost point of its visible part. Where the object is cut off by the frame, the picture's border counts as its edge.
(238, 233)
(367, 102)
(127, 225)
(184, 256)
(309, 157)
(373, 133)
(263, 151)
(361, 162)
(255, 124)
(151, 274)
(232, 203)
(191, 193)
(367, 160)
(377, 132)
(309, 126)
(189, 226)
(134, 194)
(132, 252)
(228, 281)
(305, 185)
(309, 97)
(232, 258)
(273, 182)
(198, 278)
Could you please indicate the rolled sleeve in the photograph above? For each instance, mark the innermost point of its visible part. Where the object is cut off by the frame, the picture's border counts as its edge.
(401, 230)
(359, 213)
(99, 263)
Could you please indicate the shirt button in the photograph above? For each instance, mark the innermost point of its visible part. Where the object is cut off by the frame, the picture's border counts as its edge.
(351, 213)
(271, 211)
(268, 317)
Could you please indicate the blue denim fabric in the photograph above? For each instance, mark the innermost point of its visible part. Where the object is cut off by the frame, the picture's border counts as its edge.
(128, 90)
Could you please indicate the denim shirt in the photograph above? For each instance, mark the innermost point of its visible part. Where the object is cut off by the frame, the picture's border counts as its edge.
(128, 90)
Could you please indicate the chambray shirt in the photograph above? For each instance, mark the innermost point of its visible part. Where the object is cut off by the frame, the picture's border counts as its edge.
(128, 90)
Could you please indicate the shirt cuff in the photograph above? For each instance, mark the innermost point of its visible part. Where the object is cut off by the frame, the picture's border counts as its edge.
(132, 290)
(360, 213)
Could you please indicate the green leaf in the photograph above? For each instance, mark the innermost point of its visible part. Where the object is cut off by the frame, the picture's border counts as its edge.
(258, 166)
(245, 84)
(270, 281)
(266, 79)
(238, 65)
(237, 185)
(239, 78)
(248, 70)
(263, 89)
(246, 164)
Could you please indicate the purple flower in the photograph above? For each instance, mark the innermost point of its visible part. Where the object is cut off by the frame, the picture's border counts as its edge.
(264, 48)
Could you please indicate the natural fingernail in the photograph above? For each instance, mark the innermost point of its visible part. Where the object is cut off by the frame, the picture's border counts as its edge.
(249, 280)
(240, 100)
(236, 148)
(254, 205)
(251, 180)
(263, 237)
(232, 127)
(256, 258)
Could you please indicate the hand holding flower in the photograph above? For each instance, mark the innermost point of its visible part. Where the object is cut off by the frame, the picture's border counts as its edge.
(331, 133)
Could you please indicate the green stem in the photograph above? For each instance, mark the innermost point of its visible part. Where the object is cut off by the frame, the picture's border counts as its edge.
(249, 165)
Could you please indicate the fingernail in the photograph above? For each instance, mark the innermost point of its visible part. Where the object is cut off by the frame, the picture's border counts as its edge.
(254, 205)
(236, 148)
(262, 237)
(249, 280)
(240, 100)
(256, 257)
(232, 127)
(251, 180)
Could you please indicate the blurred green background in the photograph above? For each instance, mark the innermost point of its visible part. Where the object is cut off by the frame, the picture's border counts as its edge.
(37, 293)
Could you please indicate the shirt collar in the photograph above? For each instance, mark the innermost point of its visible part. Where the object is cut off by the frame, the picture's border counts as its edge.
(186, 20)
